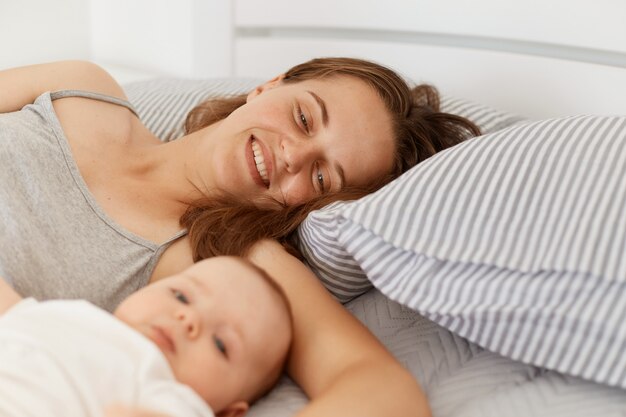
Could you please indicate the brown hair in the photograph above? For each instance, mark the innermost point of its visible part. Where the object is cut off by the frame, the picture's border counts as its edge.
(227, 225)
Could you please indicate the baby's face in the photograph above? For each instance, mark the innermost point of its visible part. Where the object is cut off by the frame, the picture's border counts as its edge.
(220, 326)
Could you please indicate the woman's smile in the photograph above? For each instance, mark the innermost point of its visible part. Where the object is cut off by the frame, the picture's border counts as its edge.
(259, 162)
(259, 159)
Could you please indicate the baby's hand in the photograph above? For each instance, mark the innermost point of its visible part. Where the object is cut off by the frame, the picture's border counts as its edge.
(126, 411)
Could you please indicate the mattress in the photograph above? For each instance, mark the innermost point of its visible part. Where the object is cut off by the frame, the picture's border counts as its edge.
(460, 378)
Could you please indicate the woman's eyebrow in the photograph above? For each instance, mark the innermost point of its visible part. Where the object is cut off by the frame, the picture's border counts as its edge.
(322, 105)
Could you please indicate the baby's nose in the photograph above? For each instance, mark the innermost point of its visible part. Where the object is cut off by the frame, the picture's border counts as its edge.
(191, 323)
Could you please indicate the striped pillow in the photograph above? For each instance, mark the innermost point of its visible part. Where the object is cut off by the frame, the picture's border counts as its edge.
(515, 240)
(337, 270)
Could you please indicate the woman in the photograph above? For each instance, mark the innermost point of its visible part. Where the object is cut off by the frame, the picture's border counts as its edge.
(93, 203)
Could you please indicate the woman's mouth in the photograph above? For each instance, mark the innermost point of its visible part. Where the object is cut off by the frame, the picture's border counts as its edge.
(258, 162)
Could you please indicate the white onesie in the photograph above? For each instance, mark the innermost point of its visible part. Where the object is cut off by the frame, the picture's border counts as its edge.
(70, 358)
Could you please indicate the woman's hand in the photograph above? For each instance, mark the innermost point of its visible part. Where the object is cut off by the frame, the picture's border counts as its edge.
(341, 366)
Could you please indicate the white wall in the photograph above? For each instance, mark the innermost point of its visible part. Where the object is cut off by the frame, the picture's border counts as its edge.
(33, 31)
(133, 39)
(187, 38)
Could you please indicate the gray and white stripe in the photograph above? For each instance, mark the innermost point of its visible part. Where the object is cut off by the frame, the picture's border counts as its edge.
(322, 253)
(514, 240)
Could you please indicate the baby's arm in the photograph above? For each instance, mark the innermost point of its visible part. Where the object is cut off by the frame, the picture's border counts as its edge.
(8, 296)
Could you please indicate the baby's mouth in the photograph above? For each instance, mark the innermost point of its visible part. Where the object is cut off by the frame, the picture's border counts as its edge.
(163, 340)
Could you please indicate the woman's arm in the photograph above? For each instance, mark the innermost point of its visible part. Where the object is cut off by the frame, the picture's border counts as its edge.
(21, 86)
(335, 359)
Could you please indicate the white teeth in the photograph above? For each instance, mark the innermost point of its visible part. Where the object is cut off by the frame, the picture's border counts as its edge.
(260, 162)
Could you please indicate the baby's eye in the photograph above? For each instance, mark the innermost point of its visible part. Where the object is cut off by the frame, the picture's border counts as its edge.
(220, 345)
(180, 296)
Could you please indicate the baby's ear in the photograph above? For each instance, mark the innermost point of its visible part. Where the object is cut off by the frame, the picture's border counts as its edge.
(236, 409)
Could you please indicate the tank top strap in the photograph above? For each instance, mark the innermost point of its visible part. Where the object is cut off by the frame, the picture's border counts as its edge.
(181, 233)
(94, 96)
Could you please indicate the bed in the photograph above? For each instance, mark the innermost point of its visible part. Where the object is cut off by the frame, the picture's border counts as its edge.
(503, 298)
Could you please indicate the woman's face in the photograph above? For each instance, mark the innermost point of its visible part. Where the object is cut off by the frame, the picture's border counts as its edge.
(295, 141)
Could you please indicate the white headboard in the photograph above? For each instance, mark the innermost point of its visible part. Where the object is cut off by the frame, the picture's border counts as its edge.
(538, 58)
(535, 57)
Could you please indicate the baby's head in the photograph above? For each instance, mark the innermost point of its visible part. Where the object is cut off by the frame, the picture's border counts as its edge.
(224, 326)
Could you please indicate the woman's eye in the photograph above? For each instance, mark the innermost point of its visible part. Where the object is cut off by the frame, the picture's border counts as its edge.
(303, 119)
(219, 345)
(320, 178)
(180, 297)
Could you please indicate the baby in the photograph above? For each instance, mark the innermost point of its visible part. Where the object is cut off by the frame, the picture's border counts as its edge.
(217, 333)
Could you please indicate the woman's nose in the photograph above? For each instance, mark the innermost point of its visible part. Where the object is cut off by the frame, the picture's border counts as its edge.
(298, 154)
(190, 321)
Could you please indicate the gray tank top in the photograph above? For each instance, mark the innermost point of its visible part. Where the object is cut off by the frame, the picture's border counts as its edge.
(55, 241)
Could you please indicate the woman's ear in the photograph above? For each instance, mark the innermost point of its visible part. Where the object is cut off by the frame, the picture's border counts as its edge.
(266, 86)
(236, 409)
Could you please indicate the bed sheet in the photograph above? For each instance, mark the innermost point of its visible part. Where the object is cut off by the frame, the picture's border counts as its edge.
(460, 378)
